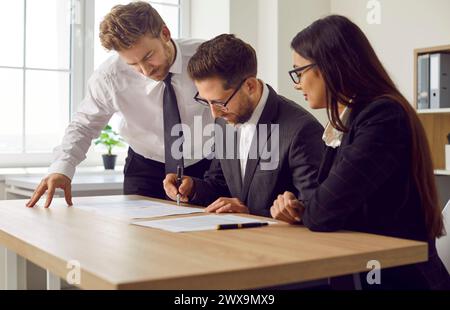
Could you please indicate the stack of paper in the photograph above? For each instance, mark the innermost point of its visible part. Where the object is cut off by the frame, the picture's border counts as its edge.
(198, 223)
(137, 209)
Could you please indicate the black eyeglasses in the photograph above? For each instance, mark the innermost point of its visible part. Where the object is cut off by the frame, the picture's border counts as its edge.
(216, 103)
(296, 74)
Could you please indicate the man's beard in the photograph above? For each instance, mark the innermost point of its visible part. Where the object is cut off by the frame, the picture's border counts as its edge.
(246, 114)
(165, 66)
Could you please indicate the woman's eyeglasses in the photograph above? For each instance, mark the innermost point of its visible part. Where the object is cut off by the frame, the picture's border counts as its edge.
(296, 74)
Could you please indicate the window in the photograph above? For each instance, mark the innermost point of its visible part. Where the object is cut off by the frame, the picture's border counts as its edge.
(50, 49)
(35, 74)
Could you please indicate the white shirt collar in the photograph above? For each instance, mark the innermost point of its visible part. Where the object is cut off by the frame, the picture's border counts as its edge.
(247, 130)
(333, 137)
(177, 65)
(175, 68)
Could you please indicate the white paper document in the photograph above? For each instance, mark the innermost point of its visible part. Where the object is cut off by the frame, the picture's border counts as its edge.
(198, 223)
(137, 209)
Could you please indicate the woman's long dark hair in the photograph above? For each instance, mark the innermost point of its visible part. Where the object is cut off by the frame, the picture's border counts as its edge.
(351, 68)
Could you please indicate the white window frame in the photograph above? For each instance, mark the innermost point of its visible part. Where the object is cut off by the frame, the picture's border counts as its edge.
(82, 66)
(23, 159)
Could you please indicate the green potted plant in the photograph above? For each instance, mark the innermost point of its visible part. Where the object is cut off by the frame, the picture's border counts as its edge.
(109, 138)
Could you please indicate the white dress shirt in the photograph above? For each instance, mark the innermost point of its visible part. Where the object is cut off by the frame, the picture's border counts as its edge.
(117, 88)
(247, 130)
(332, 136)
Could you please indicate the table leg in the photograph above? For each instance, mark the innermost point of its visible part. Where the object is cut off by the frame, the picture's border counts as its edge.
(351, 282)
(2, 268)
(53, 281)
(15, 277)
(357, 282)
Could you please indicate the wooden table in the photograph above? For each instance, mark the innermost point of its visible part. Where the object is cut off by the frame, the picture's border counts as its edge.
(116, 255)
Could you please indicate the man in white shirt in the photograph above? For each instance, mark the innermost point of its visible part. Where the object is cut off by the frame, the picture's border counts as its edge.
(275, 144)
(147, 84)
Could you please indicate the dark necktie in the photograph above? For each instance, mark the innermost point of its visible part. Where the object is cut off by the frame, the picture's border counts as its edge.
(171, 117)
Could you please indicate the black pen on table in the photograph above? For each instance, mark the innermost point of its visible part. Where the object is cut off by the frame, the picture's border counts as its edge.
(179, 180)
(244, 225)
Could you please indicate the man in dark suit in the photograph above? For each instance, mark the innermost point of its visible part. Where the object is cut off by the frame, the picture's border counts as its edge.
(265, 144)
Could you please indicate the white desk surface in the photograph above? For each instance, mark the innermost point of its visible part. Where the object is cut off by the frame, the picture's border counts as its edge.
(79, 182)
(40, 171)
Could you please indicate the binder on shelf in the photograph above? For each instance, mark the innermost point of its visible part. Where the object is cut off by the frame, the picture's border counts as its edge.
(423, 82)
(439, 81)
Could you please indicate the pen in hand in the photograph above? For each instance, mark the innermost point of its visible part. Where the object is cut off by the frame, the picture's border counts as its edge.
(178, 183)
(244, 225)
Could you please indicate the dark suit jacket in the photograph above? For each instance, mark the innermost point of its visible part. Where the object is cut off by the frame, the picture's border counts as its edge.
(300, 153)
(366, 185)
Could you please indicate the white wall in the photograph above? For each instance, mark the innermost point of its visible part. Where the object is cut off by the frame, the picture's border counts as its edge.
(244, 20)
(267, 37)
(294, 16)
(405, 25)
(248, 20)
(209, 18)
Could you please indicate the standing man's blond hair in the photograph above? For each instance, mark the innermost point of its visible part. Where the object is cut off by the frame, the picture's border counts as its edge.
(125, 24)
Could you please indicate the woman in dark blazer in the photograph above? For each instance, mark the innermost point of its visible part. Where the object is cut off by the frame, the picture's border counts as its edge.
(377, 173)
